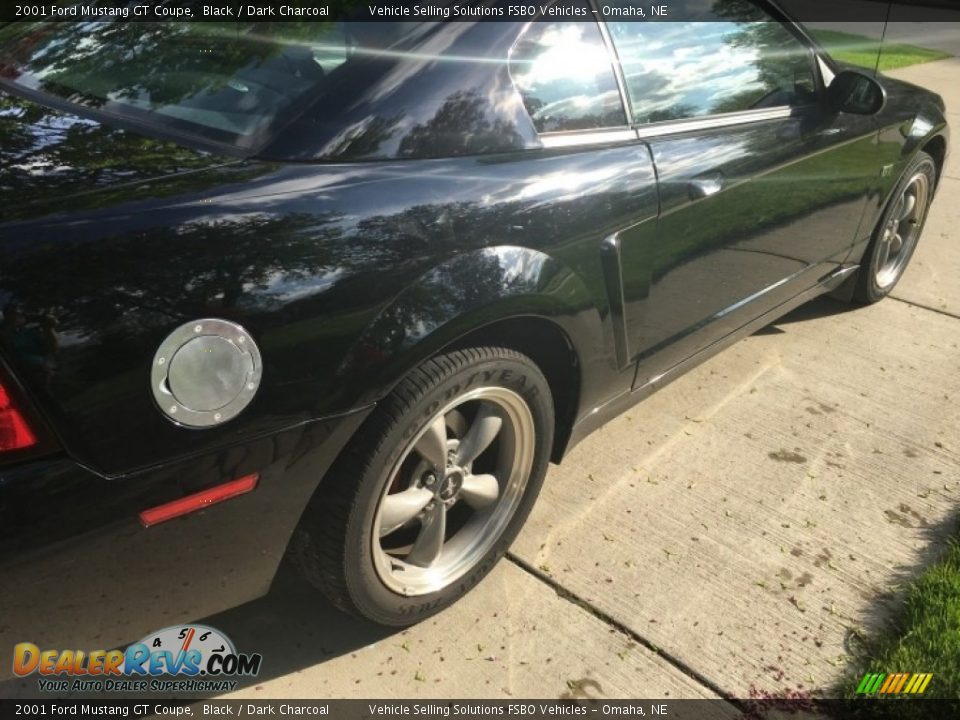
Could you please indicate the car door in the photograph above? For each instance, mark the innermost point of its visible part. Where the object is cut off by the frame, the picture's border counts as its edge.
(762, 186)
(593, 174)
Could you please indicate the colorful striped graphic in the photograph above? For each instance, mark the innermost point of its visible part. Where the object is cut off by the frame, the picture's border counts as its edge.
(894, 684)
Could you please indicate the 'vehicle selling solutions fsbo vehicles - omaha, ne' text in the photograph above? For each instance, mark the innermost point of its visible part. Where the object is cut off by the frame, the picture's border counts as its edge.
(348, 287)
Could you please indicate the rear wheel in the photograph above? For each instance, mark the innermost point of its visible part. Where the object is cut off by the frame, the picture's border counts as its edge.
(433, 489)
(898, 231)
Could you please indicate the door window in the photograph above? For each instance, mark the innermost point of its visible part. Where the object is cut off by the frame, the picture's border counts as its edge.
(565, 77)
(711, 57)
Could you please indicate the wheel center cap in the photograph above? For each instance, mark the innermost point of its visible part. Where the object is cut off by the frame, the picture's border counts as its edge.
(451, 484)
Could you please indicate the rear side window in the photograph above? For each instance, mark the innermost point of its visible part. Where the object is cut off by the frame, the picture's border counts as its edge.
(711, 57)
(565, 77)
(234, 83)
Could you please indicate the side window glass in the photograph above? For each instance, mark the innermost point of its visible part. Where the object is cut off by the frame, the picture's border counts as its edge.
(565, 77)
(711, 57)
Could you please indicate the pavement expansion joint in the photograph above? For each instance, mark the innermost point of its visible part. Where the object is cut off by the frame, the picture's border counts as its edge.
(939, 311)
(609, 620)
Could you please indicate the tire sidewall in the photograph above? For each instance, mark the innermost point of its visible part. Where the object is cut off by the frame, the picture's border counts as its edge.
(367, 591)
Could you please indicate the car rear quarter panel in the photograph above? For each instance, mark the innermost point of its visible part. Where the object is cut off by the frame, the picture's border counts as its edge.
(346, 276)
(321, 264)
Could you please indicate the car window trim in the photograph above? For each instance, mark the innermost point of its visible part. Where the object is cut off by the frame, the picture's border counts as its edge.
(574, 138)
(709, 122)
(614, 56)
(600, 136)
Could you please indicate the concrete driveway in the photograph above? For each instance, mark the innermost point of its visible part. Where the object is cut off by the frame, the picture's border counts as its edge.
(738, 533)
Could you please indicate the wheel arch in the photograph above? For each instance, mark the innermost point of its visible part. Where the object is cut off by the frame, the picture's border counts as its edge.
(551, 349)
(926, 131)
(936, 147)
(531, 303)
(935, 140)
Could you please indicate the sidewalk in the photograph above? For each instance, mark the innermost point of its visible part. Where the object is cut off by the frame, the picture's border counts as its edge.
(933, 278)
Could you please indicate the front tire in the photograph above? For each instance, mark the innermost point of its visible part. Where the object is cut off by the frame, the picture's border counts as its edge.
(433, 489)
(896, 235)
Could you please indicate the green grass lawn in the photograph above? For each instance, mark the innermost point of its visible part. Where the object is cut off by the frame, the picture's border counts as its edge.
(862, 51)
(927, 638)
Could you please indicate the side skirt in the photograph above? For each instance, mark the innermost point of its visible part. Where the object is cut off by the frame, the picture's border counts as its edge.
(602, 414)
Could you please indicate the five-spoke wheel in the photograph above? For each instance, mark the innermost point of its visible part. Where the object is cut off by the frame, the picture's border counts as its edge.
(902, 230)
(898, 231)
(452, 491)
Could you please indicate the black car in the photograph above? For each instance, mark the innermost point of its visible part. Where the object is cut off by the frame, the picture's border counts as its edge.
(347, 287)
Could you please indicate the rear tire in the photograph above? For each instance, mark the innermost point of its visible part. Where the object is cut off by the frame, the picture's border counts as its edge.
(433, 489)
(898, 231)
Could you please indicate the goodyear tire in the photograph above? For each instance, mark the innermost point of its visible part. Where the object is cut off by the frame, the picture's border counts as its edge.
(433, 489)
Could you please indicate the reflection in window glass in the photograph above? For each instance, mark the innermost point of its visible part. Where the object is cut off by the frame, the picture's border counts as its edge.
(714, 56)
(229, 82)
(564, 75)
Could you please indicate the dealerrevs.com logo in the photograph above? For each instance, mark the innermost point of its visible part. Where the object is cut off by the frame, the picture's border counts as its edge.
(181, 658)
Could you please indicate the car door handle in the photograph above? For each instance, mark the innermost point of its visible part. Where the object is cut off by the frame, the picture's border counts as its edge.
(706, 185)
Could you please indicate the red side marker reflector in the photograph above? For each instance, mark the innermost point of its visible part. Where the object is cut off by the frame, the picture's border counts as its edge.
(198, 501)
(15, 434)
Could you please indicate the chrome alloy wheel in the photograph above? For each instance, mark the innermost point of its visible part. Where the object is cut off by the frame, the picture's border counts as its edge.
(453, 491)
(901, 232)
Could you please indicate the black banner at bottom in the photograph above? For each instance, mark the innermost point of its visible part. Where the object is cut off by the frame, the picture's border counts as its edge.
(468, 709)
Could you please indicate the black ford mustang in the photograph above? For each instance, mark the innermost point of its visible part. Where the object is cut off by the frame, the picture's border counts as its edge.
(347, 287)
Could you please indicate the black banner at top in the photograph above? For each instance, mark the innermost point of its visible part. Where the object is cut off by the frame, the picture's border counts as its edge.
(452, 10)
